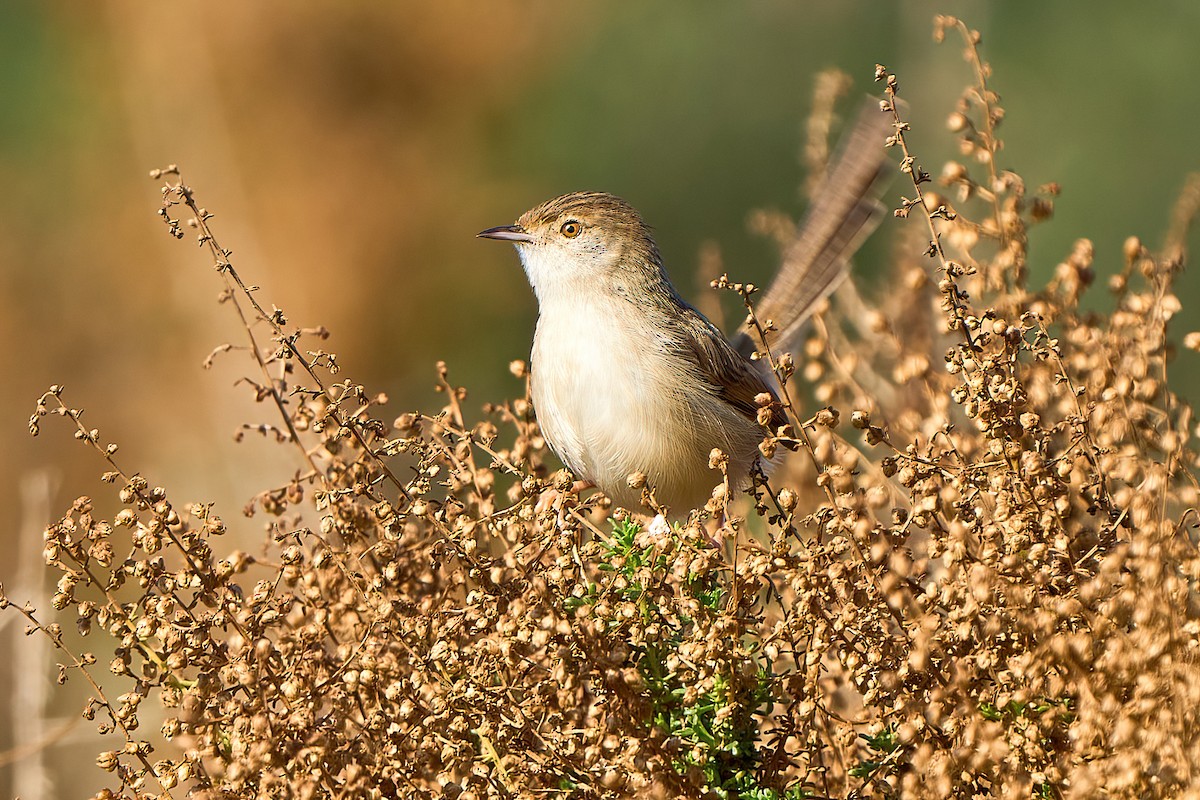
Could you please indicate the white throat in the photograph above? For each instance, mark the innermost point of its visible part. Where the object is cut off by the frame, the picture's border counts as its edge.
(558, 275)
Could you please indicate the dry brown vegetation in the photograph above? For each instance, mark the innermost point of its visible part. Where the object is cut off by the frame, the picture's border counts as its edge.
(976, 578)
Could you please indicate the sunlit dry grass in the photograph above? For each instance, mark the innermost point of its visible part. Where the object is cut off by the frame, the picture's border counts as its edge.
(974, 577)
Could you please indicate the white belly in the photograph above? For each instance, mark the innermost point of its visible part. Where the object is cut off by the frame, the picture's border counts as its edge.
(611, 402)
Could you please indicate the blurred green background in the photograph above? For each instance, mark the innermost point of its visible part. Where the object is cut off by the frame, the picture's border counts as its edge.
(351, 150)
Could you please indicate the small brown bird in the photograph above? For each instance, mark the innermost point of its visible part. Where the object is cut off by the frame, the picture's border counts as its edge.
(627, 377)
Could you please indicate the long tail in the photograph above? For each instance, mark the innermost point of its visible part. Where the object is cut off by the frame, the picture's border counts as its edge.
(846, 210)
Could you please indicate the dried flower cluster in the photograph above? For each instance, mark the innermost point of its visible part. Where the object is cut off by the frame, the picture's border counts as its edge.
(982, 586)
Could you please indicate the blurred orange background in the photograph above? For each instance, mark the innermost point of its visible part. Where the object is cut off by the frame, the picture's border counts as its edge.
(351, 151)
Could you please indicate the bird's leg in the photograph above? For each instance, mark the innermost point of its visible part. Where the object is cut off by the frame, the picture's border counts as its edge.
(717, 537)
(552, 497)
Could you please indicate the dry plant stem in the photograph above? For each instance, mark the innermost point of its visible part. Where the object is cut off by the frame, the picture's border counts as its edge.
(1083, 430)
(221, 258)
(222, 261)
(135, 747)
(782, 375)
(91, 437)
(984, 96)
(864, 460)
(948, 285)
(949, 269)
(781, 378)
(456, 410)
(726, 521)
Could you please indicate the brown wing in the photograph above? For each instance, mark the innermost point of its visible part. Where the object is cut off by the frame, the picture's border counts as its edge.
(738, 380)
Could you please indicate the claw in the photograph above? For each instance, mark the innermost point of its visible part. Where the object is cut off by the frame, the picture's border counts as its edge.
(552, 498)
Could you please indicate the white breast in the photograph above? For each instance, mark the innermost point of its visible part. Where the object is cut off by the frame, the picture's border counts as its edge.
(613, 399)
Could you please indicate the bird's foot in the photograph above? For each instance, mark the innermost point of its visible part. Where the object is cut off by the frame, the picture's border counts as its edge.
(552, 498)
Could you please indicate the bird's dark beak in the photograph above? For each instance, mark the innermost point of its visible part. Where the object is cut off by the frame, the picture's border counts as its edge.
(507, 233)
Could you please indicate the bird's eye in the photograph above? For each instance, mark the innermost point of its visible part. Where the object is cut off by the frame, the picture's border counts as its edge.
(571, 229)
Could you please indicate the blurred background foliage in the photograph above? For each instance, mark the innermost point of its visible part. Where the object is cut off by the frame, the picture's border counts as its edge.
(351, 150)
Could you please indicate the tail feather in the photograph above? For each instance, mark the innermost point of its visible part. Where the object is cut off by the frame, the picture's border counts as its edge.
(846, 210)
